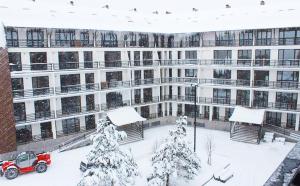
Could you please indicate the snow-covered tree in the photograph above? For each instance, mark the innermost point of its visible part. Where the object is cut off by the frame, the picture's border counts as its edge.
(111, 165)
(174, 158)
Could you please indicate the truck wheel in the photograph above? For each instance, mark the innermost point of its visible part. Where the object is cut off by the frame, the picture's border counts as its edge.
(41, 167)
(11, 173)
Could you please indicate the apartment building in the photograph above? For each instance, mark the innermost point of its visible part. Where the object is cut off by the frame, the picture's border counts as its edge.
(63, 80)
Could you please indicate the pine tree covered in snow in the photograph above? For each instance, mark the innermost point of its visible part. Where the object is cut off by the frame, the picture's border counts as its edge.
(174, 158)
(111, 165)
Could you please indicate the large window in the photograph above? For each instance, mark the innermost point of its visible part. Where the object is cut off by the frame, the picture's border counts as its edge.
(170, 41)
(12, 39)
(90, 122)
(262, 57)
(14, 59)
(225, 38)
(243, 77)
(190, 72)
(68, 60)
(19, 112)
(88, 59)
(132, 39)
(35, 38)
(291, 120)
(286, 100)
(38, 60)
(71, 125)
(112, 59)
(114, 76)
(221, 96)
(194, 40)
(273, 118)
(246, 38)
(71, 105)
(147, 92)
(17, 87)
(243, 97)
(263, 37)
(42, 108)
(143, 40)
(114, 100)
(40, 85)
(85, 39)
(261, 78)
(109, 39)
(90, 102)
(65, 38)
(137, 58)
(288, 76)
(68, 82)
(222, 74)
(23, 134)
(287, 57)
(289, 36)
(148, 74)
(191, 54)
(244, 57)
(147, 58)
(260, 99)
(222, 56)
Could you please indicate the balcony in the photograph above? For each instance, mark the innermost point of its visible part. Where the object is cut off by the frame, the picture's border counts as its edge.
(293, 106)
(146, 100)
(115, 64)
(141, 82)
(71, 111)
(290, 85)
(114, 105)
(72, 43)
(37, 92)
(91, 87)
(34, 117)
(229, 82)
(115, 84)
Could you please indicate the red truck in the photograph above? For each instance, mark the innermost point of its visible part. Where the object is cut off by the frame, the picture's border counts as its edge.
(25, 162)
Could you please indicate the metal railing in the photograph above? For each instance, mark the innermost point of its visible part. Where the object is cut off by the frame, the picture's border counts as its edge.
(77, 88)
(37, 92)
(77, 110)
(115, 84)
(141, 82)
(114, 105)
(33, 117)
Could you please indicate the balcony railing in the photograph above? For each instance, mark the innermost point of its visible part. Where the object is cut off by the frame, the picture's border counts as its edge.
(70, 111)
(293, 106)
(20, 94)
(114, 105)
(38, 116)
(146, 100)
(277, 84)
(141, 82)
(115, 84)
(77, 88)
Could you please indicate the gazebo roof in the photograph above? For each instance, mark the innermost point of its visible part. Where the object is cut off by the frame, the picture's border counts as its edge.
(124, 116)
(248, 115)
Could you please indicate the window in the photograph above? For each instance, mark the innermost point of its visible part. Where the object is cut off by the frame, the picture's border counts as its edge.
(262, 57)
(71, 125)
(225, 38)
(14, 59)
(261, 78)
(222, 74)
(42, 109)
(145, 111)
(243, 77)
(143, 40)
(46, 130)
(90, 102)
(246, 38)
(244, 57)
(273, 118)
(290, 120)
(112, 59)
(243, 97)
(109, 39)
(114, 76)
(288, 57)
(137, 96)
(12, 39)
(114, 100)
(68, 82)
(190, 54)
(85, 39)
(147, 58)
(228, 113)
(147, 94)
(263, 37)
(38, 60)
(190, 72)
(88, 59)
(148, 74)
(40, 85)
(216, 113)
(65, 38)
(90, 122)
(260, 99)
(23, 134)
(17, 87)
(170, 41)
(221, 96)
(288, 79)
(286, 100)
(137, 58)
(71, 105)
(289, 36)
(190, 93)
(132, 39)
(189, 110)
(35, 38)
(194, 40)
(20, 112)
(68, 60)
(90, 81)
(222, 57)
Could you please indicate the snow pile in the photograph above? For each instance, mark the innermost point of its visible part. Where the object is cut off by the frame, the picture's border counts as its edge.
(174, 158)
(2, 36)
(110, 165)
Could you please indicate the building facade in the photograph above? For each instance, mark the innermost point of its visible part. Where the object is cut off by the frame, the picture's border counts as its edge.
(64, 79)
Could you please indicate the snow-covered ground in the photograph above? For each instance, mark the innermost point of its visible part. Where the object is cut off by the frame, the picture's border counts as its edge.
(251, 164)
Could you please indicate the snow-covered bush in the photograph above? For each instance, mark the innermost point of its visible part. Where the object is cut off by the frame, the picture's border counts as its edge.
(111, 166)
(174, 158)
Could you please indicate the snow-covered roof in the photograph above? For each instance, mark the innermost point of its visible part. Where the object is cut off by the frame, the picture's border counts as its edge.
(247, 115)
(164, 16)
(124, 116)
